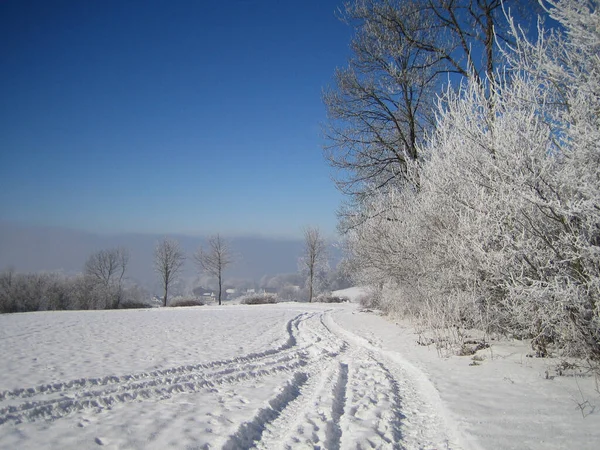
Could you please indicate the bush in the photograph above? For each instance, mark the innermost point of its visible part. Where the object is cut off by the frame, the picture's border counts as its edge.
(136, 305)
(258, 299)
(502, 233)
(52, 292)
(328, 298)
(292, 293)
(185, 302)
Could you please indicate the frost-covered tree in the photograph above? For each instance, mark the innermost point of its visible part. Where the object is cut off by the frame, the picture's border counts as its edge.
(104, 271)
(382, 105)
(215, 258)
(313, 262)
(168, 263)
(107, 266)
(504, 231)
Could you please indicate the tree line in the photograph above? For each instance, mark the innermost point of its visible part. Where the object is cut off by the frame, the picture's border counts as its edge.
(469, 145)
(103, 283)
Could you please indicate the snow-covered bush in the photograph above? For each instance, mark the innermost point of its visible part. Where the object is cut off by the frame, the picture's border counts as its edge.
(503, 231)
(327, 297)
(135, 297)
(52, 291)
(185, 301)
(258, 299)
(515, 183)
(292, 293)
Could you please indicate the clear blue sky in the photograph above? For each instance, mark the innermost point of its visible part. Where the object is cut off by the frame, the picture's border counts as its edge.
(167, 116)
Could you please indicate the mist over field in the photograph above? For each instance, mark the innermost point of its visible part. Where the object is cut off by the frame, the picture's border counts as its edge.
(35, 249)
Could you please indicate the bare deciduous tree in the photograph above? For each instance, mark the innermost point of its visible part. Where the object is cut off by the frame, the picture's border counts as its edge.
(314, 259)
(383, 104)
(104, 271)
(168, 262)
(215, 258)
(107, 266)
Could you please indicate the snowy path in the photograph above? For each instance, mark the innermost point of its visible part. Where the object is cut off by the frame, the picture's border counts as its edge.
(316, 385)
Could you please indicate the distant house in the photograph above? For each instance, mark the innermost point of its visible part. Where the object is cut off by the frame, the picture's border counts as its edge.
(268, 290)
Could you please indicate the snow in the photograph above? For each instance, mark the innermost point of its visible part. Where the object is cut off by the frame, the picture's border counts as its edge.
(353, 294)
(290, 375)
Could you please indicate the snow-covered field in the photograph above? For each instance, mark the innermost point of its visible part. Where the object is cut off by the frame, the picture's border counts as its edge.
(271, 377)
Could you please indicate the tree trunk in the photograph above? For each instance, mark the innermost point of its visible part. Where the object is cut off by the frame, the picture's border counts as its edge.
(219, 290)
(310, 287)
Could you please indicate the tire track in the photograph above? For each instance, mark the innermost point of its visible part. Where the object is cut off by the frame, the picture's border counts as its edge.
(307, 419)
(418, 419)
(334, 431)
(251, 432)
(291, 342)
(306, 344)
(52, 401)
(355, 397)
(159, 388)
(340, 392)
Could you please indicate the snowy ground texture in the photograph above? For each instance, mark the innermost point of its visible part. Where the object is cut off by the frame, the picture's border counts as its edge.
(272, 377)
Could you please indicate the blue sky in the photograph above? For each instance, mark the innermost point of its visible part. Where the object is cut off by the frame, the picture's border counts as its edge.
(167, 116)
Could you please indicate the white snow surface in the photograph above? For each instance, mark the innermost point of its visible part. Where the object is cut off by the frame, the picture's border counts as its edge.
(291, 375)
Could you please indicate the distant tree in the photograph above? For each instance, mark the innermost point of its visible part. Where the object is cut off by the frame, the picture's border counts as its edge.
(104, 272)
(107, 266)
(7, 278)
(215, 258)
(168, 262)
(314, 260)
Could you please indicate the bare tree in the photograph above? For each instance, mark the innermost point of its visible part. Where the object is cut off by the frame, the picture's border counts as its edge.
(104, 271)
(168, 262)
(107, 266)
(215, 258)
(314, 259)
(404, 54)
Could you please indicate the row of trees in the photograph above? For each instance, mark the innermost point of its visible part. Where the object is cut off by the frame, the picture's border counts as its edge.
(492, 218)
(104, 285)
(22, 292)
(218, 256)
(212, 259)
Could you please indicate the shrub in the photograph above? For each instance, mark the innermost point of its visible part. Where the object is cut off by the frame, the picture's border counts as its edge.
(185, 302)
(53, 291)
(328, 298)
(502, 233)
(258, 299)
(136, 305)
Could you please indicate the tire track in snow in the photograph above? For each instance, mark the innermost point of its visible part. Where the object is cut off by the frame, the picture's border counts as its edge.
(341, 393)
(159, 388)
(53, 401)
(334, 431)
(356, 397)
(291, 328)
(305, 420)
(251, 432)
(420, 420)
(372, 411)
(304, 345)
